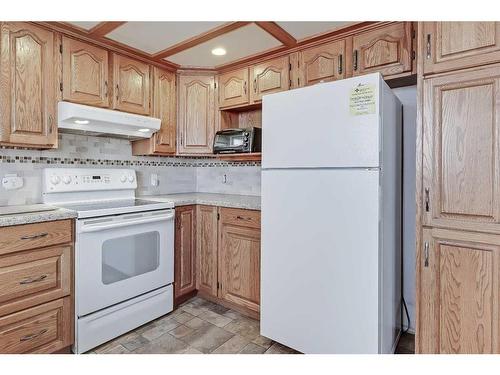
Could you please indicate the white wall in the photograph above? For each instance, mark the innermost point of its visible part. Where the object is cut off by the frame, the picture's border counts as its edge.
(408, 97)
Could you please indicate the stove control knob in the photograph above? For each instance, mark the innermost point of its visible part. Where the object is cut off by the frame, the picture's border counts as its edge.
(66, 179)
(131, 178)
(55, 180)
(123, 178)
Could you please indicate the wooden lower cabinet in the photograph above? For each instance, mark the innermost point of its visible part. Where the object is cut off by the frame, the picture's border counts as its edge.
(185, 251)
(44, 328)
(227, 256)
(458, 292)
(207, 236)
(239, 259)
(36, 284)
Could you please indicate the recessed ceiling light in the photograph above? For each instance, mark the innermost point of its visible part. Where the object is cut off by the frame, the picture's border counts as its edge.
(144, 130)
(82, 122)
(218, 51)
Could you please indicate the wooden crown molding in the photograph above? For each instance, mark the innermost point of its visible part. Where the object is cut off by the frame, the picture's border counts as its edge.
(157, 59)
(198, 39)
(278, 32)
(104, 28)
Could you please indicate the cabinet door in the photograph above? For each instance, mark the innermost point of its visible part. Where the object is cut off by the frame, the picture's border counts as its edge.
(455, 45)
(322, 63)
(206, 278)
(268, 77)
(239, 265)
(233, 88)
(461, 179)
(131, 85)
(165, 108)
(27, 79)
(196, 114)
(386, 50)
(85, 73)
(185, 249)
(458, 286)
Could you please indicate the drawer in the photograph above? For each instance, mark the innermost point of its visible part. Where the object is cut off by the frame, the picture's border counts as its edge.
(33, 277)
(42, 329)
(240, 217)
(32, 236)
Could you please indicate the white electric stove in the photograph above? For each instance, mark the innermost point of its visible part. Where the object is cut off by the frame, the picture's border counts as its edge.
(124, 251)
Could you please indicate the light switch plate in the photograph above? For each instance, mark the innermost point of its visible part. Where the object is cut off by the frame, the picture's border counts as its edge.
(12, 182)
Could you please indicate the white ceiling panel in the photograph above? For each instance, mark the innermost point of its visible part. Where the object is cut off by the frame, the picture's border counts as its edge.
(239, 43)
(301, 29)
(87, 25)
(152, 37)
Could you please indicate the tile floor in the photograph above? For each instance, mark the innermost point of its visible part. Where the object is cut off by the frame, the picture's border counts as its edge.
(197, 326)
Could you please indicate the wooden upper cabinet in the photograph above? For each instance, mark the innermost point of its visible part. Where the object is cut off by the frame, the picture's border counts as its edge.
(29, 60)
(131, 79)
(322, 63)
(461, 179)
(233, 88)
(387, 50)
(207, 242)
(85, 73)
(239, 258)
(185, 251)
(458, 291)
(196, 128)
(455, 45)
(165, 108)
(269, 77)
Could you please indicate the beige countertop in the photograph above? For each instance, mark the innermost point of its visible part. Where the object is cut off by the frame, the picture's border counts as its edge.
(36, 217)
(249, 202)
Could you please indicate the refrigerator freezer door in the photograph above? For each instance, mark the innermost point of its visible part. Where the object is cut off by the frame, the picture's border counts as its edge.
(323, 125)
(319, 259)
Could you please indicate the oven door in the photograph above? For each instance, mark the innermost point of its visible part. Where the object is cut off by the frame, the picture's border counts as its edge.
(123, 256)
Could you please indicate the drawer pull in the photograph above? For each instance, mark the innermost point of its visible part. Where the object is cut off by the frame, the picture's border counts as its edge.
(33, 335)
(243, 218)
(33, 236)
(31, 281)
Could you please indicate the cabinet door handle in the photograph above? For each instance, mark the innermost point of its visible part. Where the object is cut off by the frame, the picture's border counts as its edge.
(34, 236)
(182, 141)
(428, 55)
(33, 335)
(117, 92)
(106, 89)
(243, 218)
(255, 85)
(355, 60)
(340, 64)
(426, 254)
(245, 87)
(427, 200)
(31, 280)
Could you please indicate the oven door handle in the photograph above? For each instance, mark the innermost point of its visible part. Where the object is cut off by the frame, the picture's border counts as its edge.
(125, 223)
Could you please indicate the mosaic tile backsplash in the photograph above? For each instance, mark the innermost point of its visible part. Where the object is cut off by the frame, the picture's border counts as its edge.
(176, 175)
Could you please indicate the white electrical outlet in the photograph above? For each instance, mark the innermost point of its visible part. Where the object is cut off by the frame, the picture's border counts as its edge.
(155, 181)
(12, 182)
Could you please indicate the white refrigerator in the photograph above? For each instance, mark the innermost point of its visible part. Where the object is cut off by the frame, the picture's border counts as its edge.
(331, 217)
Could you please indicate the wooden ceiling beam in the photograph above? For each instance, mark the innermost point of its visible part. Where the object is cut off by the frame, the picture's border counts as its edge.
(278, 32)
(104, 28)
(198, 39)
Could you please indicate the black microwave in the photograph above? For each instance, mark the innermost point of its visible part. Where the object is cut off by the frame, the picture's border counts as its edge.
(230, 141)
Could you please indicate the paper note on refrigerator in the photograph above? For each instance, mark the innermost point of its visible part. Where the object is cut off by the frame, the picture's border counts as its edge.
(362, 100)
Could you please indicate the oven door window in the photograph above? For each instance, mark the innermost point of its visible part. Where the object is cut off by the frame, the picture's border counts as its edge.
(130, 256)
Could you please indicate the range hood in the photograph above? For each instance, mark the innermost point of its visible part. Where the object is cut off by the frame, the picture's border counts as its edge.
(83, 119)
